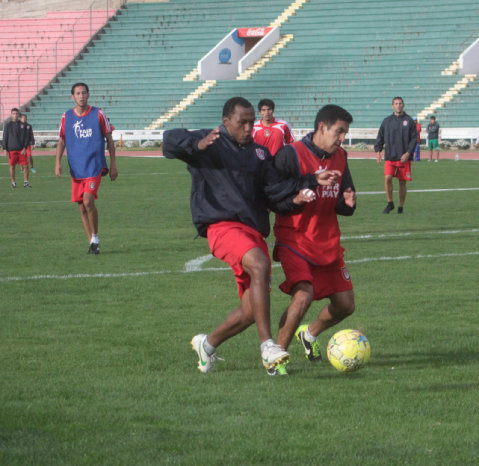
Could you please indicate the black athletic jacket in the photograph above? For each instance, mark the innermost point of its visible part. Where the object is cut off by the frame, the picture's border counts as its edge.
(15, 136)
(399, 135)
(231, 182)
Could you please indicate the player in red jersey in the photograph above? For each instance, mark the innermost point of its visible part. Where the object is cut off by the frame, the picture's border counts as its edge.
(83, 131)
(31, 142)
(270, 132)
(308, 240)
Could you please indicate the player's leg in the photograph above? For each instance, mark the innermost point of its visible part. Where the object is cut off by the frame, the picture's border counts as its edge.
(301, 298)
(12, 175)
(402, 193)
(85, 220)
(91, 211)
(340, 307)
(388, 188)
(26, 184)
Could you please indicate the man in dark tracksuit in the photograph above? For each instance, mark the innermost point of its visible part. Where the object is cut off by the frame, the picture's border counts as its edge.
(234, 183)
(398, 134)
(15, 142)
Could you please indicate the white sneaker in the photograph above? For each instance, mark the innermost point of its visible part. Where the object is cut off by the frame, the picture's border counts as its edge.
(273, 355)
(206, 363)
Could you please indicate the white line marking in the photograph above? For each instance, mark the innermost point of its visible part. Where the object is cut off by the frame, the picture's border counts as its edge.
(196, 264)
(219, 269)
(422, 233)
(432, 190)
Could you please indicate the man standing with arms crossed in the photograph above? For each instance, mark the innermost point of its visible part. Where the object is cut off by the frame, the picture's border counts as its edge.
(270, 132)
(234, 182)
(398, 135)
(308, 240)
(83, 130)
(15, 145)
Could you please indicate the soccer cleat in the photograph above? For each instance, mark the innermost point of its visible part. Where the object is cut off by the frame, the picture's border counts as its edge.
(273, 354)
(279, 369)
(206, 363)
(400, 210)
(26, 184)
(311, 348)
(33, 170)
(388, 208)
(14, 185)
(94, 248)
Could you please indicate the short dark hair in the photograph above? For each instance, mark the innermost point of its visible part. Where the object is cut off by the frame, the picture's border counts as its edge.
(229, 106)
(398, 98)
(433, 117)
(14, 109)
(80, 84)
(329, 114)
(265, 103)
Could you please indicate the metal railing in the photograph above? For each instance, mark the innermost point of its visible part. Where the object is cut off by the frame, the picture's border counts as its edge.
(44, 68)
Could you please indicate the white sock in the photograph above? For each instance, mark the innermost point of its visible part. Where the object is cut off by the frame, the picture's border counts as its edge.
(266, 343)
(95, 239)
(308, 336)
(209, 349)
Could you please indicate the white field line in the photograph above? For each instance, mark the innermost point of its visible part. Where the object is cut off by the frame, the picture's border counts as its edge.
(219, 269)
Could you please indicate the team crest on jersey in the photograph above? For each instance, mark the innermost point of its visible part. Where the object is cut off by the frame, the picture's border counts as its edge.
(404, 123)
(345, 273)
(267, 133)
(260, 153)
(92, 185)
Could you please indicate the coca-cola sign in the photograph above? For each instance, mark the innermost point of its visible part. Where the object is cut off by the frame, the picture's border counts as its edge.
(253, 32)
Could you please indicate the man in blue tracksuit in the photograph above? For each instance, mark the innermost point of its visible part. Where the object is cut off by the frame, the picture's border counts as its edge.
(398, 134)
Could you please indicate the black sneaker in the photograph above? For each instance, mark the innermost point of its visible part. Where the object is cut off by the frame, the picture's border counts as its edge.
(94, 248)
(400, 210)
(26, 184)
(388, 208)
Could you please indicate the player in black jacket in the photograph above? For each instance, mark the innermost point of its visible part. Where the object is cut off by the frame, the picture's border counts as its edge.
(234, 183)
(15, 145)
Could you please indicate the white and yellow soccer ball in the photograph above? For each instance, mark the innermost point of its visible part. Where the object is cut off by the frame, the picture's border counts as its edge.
(348, 350)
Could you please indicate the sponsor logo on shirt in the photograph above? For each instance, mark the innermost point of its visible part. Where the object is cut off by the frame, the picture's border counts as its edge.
(80, 132)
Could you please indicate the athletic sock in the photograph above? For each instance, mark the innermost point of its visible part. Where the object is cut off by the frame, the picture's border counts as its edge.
(308, 336)
(94, 239)
(265, 344)
(209, 349)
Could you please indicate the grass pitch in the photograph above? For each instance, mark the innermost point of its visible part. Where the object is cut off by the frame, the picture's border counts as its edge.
(96, 366)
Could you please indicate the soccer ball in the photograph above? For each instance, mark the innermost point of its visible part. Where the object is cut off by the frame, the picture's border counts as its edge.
(348, 350)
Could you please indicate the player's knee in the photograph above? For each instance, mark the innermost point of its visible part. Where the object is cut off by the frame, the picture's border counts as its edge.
(257, 264)
(303, 295)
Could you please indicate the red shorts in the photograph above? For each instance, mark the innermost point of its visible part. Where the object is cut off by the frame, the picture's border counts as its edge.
(399, 170)
(29, 151)
(326, 279)
(229, 242)
(15, 157)
(87, 185)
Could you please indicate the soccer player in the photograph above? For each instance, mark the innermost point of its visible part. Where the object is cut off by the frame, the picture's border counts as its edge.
(399, 135)
(15, 145)
(83, 130)
(234, 182)
(308, 240)
(433, 138)
(31, 141)
(269, 131)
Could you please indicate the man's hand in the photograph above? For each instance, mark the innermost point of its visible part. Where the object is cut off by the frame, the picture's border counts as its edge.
(113, 171)
(349, 197)
(405, 157)
(58, 169)
(304, 196)
(328, 177)
(209, 139)
(379, 157)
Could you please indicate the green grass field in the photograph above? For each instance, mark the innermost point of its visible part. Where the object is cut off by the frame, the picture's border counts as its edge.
(96, 365)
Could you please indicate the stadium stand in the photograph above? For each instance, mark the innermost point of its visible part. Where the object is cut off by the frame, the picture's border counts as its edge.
(35, 44)
(359, 54)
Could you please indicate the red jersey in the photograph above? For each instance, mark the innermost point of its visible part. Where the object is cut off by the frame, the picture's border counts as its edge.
(314, 232)
(104, 123)
(418, 129)
(275, 136)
